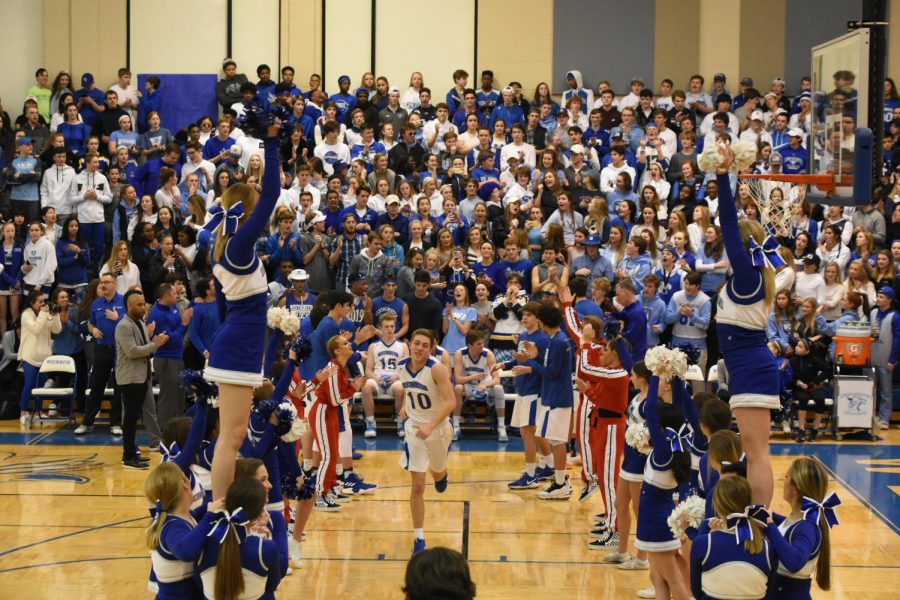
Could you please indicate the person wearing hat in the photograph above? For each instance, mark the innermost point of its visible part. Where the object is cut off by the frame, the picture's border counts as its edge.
(298, 300)
(228, 89)
(809, 282)
(780, 99)
(393, 217)
(89, 100)
(793, 155)
(886, 331)
(314, 248)
(592, 265)
(509, 111)
(756, 133)
(344, 100)
(746, 84)
(125, 137)
(369, 110)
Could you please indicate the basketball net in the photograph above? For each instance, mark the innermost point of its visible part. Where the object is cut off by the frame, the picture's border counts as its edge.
(776, 209)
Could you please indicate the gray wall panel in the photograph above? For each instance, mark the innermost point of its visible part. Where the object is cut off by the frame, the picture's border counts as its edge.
(810, 23)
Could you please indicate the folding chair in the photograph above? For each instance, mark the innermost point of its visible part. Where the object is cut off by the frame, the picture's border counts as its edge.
(56, 364)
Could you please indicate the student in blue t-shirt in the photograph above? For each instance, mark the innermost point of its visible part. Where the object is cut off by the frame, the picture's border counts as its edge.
(514, 264)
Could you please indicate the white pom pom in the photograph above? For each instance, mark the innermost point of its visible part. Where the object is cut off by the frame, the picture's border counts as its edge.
(666, 362)
(275, 316)
(213, 402)
(710, 160)
(744, 155)
(638, 437)
(298, 429)
(688, 513)
(290, 325)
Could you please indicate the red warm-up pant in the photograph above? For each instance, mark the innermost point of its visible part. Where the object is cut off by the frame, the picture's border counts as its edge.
(324, 422)
(607, 442)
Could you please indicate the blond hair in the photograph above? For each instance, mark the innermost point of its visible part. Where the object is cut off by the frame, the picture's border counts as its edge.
(810, 479)
(750, 228)
(239, 192)
(163, 485)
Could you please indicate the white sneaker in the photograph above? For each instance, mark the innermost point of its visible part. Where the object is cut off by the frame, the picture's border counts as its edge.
(556, 491)
(25, 420)
(294, 551)
(884, 425)
(52, 411)
(649, 592)
(617, 557)
(115, 430)
(501, 434)
(634, 564)
(83, 429)
(370, 430)
(786, 427)
(455, 432)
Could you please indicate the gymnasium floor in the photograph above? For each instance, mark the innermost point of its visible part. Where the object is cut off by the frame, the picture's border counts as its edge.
(72, 523)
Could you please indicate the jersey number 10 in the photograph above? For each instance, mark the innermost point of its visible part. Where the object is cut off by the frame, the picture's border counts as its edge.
(420, 401)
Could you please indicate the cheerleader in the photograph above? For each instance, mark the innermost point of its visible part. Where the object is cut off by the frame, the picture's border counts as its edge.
(631, 474)
(236, 354)
(744, 306)
(335, 389)
(180, 443)
(724, 459)
(801, 540)
(259, 470)
(238, 560)
(668, 466)
(174, 538)
(735, 560)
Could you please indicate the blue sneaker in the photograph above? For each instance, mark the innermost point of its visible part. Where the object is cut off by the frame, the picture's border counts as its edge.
(441, 484)
(353, 483)
(357, 455)
(418, 546)
(544, 473)
(525, 482)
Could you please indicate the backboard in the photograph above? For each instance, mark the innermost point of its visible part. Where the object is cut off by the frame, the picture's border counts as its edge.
(840, 103)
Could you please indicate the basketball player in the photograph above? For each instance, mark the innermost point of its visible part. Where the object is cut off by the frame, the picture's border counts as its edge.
(428, 403)
(476, 379)
(381, 371)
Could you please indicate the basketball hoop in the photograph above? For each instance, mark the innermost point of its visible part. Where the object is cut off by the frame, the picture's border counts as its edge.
(777, 209)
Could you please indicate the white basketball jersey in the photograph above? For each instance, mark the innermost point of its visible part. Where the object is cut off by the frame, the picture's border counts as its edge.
(474, 367)
(420, 392)
(386, 357)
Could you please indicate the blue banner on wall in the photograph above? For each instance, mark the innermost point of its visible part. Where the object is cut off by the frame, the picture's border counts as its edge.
(185, 98)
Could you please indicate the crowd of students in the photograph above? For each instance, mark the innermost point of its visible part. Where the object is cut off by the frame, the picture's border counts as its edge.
(452, 217)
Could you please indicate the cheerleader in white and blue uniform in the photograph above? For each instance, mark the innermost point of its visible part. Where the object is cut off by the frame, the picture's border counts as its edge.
(801, 540)
(735, 560)
(252, 567)
(175, 538)
(744, 305)
(668, 466)
(236, 353)
(181, 449)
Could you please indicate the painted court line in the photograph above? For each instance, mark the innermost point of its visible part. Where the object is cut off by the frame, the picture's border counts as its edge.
(65, 535)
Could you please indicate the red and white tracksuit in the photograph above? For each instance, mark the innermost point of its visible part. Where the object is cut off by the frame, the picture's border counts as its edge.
(323, 419)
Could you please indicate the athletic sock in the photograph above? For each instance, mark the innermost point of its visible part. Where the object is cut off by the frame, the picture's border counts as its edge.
(307, 464)
(370, 420)
(455, 421)
(529, 469)
(339, 470)
(560, 476)
(419, 533)
(545, 460)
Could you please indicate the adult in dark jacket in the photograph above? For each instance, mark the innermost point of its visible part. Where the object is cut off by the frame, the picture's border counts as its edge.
(370, 113)
(425, 311)
(146, 179)
(406, 155)
(108, 121)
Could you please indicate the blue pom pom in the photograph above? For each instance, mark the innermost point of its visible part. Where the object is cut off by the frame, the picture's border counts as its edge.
(302, 347)
(612, 328)
(691, 352)
(193, 384)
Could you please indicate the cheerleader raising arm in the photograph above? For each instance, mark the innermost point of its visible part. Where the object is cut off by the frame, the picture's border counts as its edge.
(746, 278)
(184, 456)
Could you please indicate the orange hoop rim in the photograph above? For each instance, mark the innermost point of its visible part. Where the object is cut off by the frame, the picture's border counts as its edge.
(826, 182)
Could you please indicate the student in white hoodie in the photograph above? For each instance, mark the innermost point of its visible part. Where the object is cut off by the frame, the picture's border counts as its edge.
(90, 192)
(39, 260)
(56, 183)
(576, 88)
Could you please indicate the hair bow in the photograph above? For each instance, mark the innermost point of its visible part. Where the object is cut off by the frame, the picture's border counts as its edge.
(813, 510)
(759, 513)
(231, 218)
(679, 440)
(767, 254)
(735, 467)
(169, 452)
(154, 512)
(223, 525)
(740, 522)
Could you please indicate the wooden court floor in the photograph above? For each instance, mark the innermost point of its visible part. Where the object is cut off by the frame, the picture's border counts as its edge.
(72, 523)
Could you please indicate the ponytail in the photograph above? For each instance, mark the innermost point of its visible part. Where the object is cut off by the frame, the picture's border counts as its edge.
(809, 478)
(681, 466)
(732, 496)
(245, 497)
(163, 489)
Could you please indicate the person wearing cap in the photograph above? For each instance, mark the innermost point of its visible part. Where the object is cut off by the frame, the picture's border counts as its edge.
(809, 283)
(780, 99)
(89, 100)
(592, 265)
(745, 85)
(344, 100)
(718, 86)
(803, 117)
(228, 89)
(509, 111)
(393, 217)
(627, 131)
(723, 106)
(314, 250)
(125, 137)
(393, 113)
(885, 323)
(793, 154)
(298, 299)
(756, 133)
